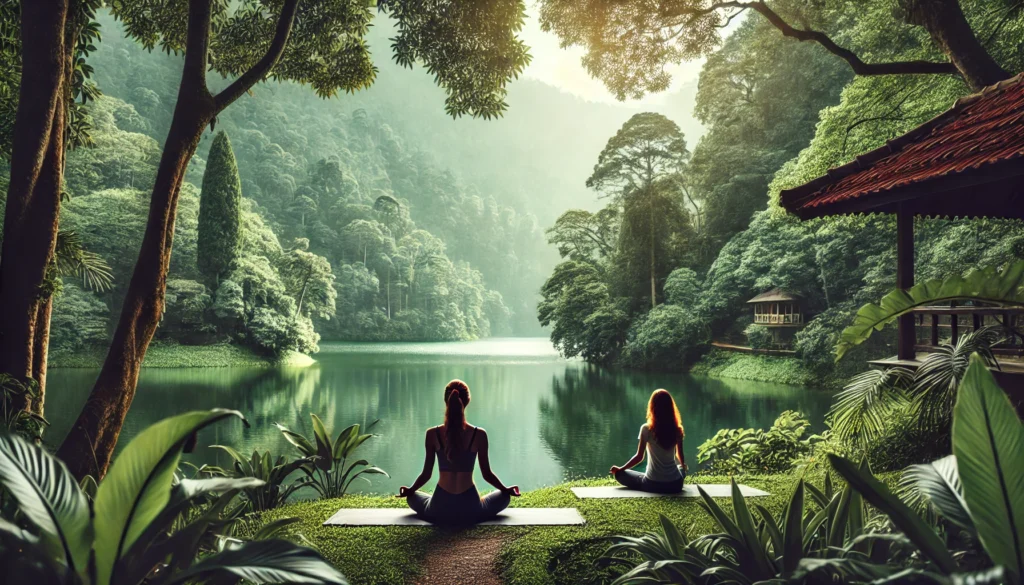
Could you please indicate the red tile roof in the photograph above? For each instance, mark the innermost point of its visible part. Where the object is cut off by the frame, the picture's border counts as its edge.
(980, 131)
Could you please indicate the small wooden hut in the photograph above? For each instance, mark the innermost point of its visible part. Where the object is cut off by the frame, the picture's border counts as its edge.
(778, 310)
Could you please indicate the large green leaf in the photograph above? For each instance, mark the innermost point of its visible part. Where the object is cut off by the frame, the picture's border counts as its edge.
(265, 561)
(939, 483)
(302, 443)
(49, 497)
(138, 485)
(879, 496)
(988, 284)
(793, 537)
(988, 441)
(324, 447)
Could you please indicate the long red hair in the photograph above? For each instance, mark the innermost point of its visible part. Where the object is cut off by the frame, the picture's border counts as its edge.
(663, 419)
(456, 398)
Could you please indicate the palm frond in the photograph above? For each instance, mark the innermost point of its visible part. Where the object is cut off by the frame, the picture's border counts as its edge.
(72, 259)
(938, 377)
(862, 407)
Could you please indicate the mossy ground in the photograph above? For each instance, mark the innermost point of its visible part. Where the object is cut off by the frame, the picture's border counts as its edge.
(761, 368)
(173, 355)
(532, 555)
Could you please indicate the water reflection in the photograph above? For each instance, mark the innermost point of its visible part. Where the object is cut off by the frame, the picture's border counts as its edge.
(549, 418)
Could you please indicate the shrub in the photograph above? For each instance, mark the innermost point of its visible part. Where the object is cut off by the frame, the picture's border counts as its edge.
(758, 451)
(668, 337)
(759, 336)
(328, 469)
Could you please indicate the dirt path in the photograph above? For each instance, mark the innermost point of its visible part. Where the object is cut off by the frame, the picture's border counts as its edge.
(462, 559)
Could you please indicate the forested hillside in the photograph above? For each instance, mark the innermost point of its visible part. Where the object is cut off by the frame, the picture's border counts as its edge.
(777, 113)
(372, 182)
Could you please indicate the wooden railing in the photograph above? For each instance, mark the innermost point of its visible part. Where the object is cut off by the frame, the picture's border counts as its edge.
(945, 325)
(778, 319)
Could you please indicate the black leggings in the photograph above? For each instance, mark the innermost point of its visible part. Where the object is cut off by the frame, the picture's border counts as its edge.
(635, 480)
(465, 508)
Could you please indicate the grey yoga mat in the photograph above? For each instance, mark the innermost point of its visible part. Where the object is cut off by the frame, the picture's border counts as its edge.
(689, 491)
(406, 517)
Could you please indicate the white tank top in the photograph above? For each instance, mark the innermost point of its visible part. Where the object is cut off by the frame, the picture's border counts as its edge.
(661, 462)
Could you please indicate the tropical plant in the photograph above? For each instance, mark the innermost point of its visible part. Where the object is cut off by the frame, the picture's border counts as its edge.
(144, 525)
(940, 373)
(863, 411)
(989, 285)
(757, 450)
(979, 489)
(329, 471)
(751, 546)
(273, 473)
(866, 405)
(14, 418)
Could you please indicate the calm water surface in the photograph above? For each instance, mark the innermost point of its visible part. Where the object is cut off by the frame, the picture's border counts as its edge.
(549, 419)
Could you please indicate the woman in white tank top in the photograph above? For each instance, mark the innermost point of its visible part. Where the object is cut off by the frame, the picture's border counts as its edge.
(661, 441)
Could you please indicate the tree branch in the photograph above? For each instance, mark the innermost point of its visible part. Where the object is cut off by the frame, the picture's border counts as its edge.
(856, 64)
(262, 67)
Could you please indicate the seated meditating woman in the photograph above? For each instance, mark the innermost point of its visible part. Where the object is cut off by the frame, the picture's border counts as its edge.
(661, 438)
(456, 445)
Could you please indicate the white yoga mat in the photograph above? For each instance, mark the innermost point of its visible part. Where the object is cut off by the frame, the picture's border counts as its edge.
(689, 491)
(406, 517)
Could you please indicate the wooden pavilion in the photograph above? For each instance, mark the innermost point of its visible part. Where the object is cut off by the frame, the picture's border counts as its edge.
(966, 162)
(778, 310)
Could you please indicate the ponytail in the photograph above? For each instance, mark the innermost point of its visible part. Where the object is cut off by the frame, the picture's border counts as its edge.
(456, 397)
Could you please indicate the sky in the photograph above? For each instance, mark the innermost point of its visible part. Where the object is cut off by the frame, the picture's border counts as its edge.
(562, 68)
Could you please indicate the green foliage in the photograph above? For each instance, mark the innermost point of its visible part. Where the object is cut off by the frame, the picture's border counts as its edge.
(79, 320)
(989, 284)
(144, 518)
(585, 320)
(668, 337)
(987, 441)
(327, 466)
(272, 474)
(864, 409)
(897, 414)
(682, 287)
(759, 336)
(727, 364)
(776, 450)
(219, 232)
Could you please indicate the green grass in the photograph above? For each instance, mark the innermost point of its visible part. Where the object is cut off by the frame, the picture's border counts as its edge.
(532, 555)
(172, 355)
(761, 368)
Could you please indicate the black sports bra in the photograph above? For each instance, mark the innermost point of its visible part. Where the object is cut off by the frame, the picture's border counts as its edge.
(464, 461)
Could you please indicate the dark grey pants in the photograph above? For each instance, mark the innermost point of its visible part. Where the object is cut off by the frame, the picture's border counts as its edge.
(466, 508)
(635, 480)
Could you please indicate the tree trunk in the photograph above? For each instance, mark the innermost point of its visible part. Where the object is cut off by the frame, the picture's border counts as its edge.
(40, 350)
(654, 294)
(948, 27)
(89, 445)
(33, 196)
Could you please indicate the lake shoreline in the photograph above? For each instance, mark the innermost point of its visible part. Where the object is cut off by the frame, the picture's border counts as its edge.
(723, 364)
(173, 355)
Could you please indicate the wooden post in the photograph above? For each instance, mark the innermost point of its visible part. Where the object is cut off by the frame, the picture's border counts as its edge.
(907, 335)
(935, 330)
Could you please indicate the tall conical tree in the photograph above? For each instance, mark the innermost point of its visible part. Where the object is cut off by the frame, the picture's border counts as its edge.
(220, 234)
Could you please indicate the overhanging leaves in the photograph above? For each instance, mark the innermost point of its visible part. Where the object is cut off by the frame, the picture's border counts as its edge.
(990, 284)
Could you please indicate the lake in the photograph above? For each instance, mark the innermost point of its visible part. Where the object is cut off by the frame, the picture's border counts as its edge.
(549, 419)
